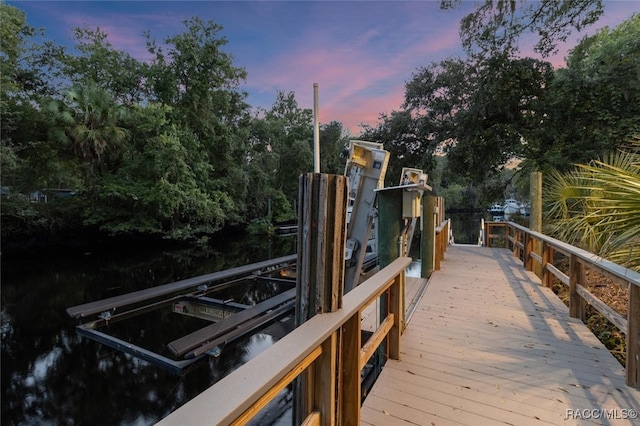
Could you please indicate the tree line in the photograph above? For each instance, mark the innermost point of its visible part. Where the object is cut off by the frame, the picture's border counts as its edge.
(170, 146)
(494, 106)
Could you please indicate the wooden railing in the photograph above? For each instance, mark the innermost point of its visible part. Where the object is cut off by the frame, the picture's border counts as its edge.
(537, 252)
(311, 347)
(442, 241)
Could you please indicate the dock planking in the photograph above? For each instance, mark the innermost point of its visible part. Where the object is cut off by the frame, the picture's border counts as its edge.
(488, 345)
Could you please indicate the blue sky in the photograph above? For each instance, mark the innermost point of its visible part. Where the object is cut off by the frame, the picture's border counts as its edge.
(360, 53)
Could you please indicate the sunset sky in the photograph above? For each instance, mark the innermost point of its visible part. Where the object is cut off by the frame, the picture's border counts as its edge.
(360, 53)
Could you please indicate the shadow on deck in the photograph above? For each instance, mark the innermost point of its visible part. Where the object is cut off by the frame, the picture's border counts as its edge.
(488, 345)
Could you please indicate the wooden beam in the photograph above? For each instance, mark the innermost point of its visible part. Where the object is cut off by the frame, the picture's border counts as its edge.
(616, 319)
(325, 382)
(547, 257)
(350, 372)
(321, 268)
(279, 386)
(396, 308)
(633, 336)
(528, 249)
(535, 216)
(374, 341)
(576, 278)
(564, 278)
(428, 236)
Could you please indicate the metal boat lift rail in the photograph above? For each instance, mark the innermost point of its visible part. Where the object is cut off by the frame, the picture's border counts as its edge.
(112, 303)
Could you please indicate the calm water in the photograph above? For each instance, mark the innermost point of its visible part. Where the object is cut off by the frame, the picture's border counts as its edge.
(466, 226)
(50, 375)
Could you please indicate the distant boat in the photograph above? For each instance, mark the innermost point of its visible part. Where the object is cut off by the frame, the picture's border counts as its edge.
(510, 207)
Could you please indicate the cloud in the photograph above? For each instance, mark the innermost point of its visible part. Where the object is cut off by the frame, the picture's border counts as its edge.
(358, 77)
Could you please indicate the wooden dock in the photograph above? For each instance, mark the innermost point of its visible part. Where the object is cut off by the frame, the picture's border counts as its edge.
(488, 345)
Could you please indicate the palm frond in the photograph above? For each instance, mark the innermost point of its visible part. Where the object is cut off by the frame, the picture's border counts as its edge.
(597, 206)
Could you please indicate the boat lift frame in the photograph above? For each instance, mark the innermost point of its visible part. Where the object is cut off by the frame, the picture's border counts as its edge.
(189, 294)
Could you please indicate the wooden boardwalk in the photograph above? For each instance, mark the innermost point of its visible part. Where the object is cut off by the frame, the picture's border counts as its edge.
(487, 345)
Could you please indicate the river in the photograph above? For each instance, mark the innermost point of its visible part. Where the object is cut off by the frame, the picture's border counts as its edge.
(466, 226)
(52, 376)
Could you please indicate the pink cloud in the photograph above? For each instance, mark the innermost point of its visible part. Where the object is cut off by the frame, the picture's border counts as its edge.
(357, 81)
(124, 31)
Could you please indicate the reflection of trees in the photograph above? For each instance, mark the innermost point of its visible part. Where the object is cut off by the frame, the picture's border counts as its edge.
(51, 375)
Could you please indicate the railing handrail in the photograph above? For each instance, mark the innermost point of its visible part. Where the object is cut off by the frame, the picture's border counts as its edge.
(588, 257)
(229, 398)
(576, 282)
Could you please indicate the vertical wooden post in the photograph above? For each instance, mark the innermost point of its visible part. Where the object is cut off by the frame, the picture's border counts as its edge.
(633, 337)
(320, 272)
(528, 248)
(438, 250)
(547, 257)
(324, 380)
(428, 236)
(396, 308)
(535, 217)
(576, 278)
(321, 244)
(349, 408)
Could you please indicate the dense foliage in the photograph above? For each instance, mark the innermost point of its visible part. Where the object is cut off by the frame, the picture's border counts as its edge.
(168, 146)
(496, 26)
(494, 110)
(597, 206)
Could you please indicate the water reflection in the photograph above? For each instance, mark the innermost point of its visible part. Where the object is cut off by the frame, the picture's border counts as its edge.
(50, 375)
(466, 226)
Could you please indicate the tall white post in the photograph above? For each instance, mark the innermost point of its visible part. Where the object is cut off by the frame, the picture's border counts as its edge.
(316, 130)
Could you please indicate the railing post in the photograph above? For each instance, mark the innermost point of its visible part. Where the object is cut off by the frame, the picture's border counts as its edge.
(349, 380)
(547, 257)
(395, 307)
(516, 240)
(528, 248)
(633, 337)
(324, 381)
(429, 235)
(513, 232)
(576, 277)
(438, 250)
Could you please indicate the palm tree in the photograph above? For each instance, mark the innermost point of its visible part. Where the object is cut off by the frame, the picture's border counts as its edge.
(597, 206)
(89, 123)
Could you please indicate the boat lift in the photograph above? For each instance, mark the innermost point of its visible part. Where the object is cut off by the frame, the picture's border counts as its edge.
(226, 320)
(192, 297)
(366, 168)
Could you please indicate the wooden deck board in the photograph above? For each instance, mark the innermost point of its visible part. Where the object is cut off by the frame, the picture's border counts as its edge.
(488, 345)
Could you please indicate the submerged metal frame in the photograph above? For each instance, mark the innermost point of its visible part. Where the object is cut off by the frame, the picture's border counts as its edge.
(175, 367)
(104, 308)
